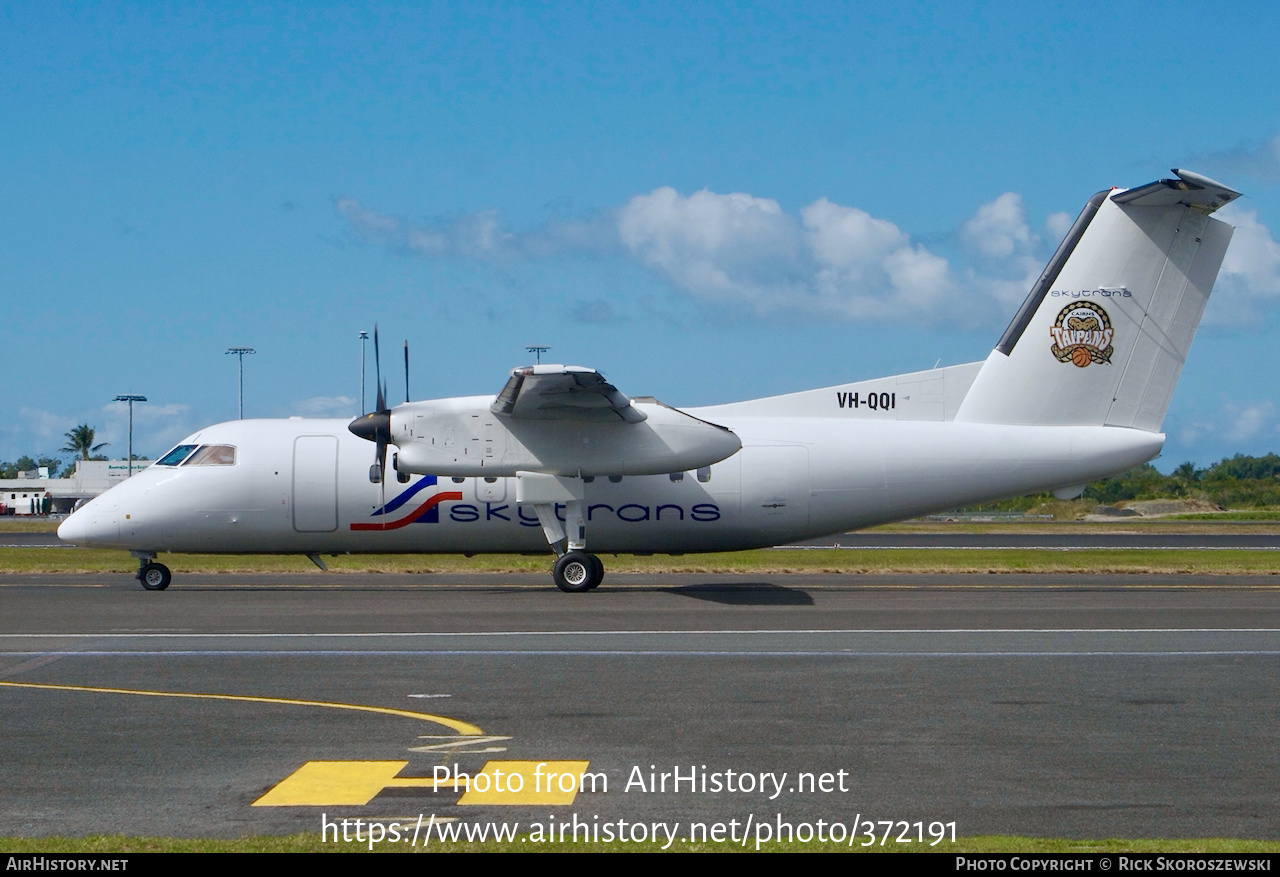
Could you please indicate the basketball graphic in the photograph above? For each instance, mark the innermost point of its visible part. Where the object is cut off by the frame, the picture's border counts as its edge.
(1082, 335)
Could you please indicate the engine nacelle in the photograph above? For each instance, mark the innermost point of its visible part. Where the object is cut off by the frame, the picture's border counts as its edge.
(464, 437)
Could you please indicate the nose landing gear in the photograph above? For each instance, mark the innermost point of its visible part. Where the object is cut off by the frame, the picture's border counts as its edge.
(153, 576)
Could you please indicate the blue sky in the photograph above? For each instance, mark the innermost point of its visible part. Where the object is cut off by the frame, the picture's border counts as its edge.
(707, 202)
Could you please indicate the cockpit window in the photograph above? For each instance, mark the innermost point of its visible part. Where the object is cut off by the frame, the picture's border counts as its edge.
(213, 455)
(176, 456)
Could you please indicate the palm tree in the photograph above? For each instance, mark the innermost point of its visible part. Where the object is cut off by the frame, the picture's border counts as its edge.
(80, 441)
(1186, 477)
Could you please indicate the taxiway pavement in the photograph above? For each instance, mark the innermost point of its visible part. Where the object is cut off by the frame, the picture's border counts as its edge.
(1084, 706)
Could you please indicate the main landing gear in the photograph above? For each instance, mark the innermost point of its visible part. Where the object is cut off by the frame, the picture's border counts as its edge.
(576, 569)
(153, 576)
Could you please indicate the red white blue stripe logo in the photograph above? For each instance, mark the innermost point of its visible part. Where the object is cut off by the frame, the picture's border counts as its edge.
(425, 512)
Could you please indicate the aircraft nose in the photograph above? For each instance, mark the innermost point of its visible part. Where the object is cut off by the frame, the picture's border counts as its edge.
(73, 529)
(95, 524)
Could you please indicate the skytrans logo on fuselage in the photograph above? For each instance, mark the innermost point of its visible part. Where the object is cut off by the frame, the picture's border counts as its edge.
(428, 511)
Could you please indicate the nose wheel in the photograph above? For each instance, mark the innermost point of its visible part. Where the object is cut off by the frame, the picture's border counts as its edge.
(578, 571)
(155, 576)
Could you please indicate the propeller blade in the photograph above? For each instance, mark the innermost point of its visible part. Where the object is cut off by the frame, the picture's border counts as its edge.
(377, 365)
(406, 370)
(376, 425)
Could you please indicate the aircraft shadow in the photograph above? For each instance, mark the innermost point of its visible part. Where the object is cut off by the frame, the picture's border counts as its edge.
(745, 594)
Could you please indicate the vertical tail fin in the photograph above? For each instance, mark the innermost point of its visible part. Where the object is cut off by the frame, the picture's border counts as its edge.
(1103, 335)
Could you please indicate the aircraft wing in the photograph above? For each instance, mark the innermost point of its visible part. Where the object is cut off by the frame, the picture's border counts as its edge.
(563, 392)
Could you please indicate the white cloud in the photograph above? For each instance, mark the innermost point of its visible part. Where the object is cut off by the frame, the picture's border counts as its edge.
(1250, 276)
(717, 247)
(867, 267)
(831, 261)
(999, 229)
(1245, 423)
(365, 220)
(33, 432)
(45, 425)
(1234, 423)
(826, 261)
(156, 428)
(1057, 225)
(846, 238)
(480, 236)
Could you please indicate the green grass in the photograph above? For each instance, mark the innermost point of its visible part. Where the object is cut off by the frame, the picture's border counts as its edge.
(1258, 515)
(311, 843)
(15, 524)
(763, 561)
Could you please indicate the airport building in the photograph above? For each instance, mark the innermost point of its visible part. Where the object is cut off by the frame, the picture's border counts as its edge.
(35, 493)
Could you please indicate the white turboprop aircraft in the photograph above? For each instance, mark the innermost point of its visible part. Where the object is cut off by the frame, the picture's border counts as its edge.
(1076, 390)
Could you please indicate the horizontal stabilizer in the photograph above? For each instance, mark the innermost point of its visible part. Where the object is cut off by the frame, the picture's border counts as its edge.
(1190, 190)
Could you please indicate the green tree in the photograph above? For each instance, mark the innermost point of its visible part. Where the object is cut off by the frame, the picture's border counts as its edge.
(80, 441)
(1243, 481)
(1143, 482)
(1186, 478)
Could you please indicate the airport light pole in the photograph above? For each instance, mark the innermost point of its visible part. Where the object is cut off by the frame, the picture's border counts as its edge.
(364, 336)
(537, 350)
(240, 352)
(131, 400)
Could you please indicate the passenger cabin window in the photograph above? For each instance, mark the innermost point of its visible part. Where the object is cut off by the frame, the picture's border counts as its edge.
(213, 455)
(176, 456)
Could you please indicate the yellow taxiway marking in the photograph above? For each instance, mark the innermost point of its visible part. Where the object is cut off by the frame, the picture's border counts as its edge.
(334, 783)
(464, 728)
(526, 782)
(356, 783)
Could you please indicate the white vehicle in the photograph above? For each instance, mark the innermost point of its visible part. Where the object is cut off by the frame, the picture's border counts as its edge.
(1076, 390)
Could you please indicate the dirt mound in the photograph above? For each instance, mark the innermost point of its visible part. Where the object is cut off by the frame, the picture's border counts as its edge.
(1150, 508)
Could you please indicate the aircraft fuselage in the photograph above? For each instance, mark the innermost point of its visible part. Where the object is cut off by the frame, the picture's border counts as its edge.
(302, 486)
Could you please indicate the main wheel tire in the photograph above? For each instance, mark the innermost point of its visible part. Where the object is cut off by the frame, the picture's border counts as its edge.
(577, 571)
(155, 576)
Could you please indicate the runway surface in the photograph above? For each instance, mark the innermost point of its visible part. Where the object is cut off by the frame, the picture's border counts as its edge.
(1040, 539)
(1086, 706)
(1036, 538)
(31, 540)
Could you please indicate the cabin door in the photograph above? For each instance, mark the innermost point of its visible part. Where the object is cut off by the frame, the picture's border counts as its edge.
(315, 484)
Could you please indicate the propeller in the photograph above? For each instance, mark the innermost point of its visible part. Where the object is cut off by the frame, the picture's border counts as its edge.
(376, 426)
(403, 477)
